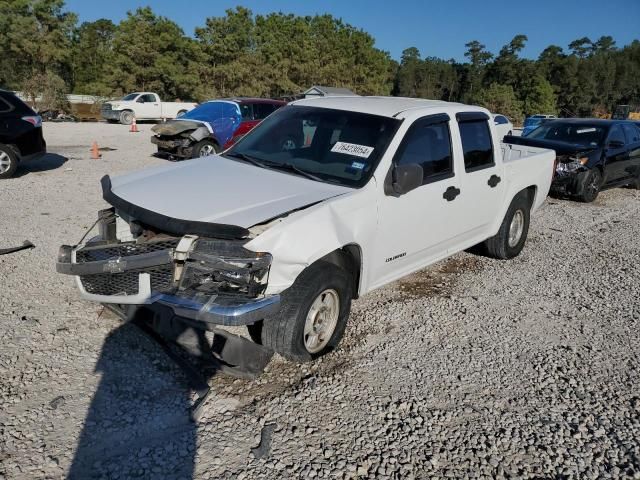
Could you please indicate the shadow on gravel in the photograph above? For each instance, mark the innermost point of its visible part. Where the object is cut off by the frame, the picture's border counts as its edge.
(138, 424)
(50, 161)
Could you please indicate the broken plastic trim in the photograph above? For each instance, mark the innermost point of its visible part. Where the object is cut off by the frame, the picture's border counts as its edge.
(170, 225)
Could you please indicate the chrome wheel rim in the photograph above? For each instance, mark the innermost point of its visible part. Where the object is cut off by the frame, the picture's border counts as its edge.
(516, 228)
(207, 150)
(5, 162)
(321, 320)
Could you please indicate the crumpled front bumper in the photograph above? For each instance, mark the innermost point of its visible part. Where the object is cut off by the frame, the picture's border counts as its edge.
(214, 310)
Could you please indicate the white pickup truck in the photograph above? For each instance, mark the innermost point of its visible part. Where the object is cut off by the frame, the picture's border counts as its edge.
(281, 239)
(143, 106)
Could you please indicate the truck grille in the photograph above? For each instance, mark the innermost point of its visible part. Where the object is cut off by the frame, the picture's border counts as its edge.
(126, 283)
(93, 254)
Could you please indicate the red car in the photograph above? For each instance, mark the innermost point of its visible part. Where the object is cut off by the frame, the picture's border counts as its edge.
(212, 126)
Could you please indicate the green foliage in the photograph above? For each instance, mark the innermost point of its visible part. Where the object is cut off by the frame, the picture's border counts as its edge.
(45, 52)
(502, 99)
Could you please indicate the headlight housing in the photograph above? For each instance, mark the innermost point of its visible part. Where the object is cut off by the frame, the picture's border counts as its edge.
(223, 267)
(571, 164)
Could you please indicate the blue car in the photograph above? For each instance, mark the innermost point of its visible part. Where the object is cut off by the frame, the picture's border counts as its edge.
(533, 122)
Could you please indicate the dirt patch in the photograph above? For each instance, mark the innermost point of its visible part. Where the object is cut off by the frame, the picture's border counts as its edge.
(437, 280)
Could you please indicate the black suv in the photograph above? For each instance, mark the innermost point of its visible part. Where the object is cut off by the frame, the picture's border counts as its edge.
(20, 134)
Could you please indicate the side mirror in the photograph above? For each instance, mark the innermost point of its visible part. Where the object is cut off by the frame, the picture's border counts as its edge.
(405, 178)
(615, 144)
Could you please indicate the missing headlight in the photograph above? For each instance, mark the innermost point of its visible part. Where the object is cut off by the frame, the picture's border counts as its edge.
(219, 267)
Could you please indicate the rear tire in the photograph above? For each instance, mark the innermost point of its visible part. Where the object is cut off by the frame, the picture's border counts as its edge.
(8, 161)
(126, 117)
(589, 185)
(510, 239)
(313, 316)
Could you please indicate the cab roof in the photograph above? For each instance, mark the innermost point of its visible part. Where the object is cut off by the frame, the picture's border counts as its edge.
(384, 106)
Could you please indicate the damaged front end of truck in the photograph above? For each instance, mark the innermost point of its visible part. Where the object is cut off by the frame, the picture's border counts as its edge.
(185, 278)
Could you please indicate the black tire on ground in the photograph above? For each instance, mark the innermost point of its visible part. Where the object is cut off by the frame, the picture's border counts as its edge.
(284, 333)
(111, 120)
(510, 239)
(589, 185)
(8, 161)
(204, 148)
(636, 183)
(126, 117)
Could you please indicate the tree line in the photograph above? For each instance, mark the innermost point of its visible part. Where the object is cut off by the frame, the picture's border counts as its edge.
(47, 52)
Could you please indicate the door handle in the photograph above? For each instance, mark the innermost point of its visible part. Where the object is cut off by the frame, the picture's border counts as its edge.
(451, 193)
(493, 181)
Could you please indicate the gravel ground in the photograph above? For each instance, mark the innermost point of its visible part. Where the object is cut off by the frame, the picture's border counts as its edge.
(472, 368)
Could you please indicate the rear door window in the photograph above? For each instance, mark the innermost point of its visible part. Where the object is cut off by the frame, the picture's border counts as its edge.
(428, 144)
(5, 107)
(477, 144)
(631, 132)
(616, 135)
(262, 110)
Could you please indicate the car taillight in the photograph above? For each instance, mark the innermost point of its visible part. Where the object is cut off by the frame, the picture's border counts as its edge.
(35, 120)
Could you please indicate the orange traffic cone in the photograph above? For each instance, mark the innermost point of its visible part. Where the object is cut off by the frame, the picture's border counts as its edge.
(95, 154)
(134, 126)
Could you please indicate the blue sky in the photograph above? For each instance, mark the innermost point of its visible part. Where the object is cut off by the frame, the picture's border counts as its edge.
(438, 28)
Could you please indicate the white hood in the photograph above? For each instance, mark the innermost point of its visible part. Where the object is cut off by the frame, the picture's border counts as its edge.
(218, 190)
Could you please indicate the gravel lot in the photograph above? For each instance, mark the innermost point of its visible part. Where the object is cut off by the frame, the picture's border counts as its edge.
(473, 368)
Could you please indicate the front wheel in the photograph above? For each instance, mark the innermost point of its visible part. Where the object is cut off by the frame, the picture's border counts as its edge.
(205, 148)
(589, 185)
(510, 239)
(313, 316)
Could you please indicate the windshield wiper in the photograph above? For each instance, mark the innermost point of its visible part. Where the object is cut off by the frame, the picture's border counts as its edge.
(292, 168)
(246, 158)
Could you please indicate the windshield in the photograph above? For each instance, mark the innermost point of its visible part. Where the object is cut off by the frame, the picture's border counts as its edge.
(131, 96)
(530, 122)
(334, 146)
(576, 133)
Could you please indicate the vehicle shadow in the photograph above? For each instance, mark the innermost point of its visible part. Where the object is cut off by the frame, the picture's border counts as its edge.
(138, 424)
(49, 161)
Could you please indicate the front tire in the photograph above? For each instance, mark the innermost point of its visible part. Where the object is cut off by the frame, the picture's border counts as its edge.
(589, 185)
(313, 316)
(205, 148)
(126, 117)
(8, 161)
(510, 239)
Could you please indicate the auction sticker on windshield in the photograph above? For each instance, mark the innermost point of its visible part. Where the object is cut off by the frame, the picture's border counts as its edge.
(354, 149)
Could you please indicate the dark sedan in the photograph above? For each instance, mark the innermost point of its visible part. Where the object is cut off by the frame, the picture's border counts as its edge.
(592, 155)
(20, 134)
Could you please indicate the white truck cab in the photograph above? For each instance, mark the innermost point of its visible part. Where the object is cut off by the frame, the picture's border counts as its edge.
(282, 239)
(143, 106)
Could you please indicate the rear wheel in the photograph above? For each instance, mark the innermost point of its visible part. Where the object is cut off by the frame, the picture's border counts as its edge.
(126, 117)
(313, 316)
(8, 161)
(205, 148)
(510, 239)
(589, 185)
